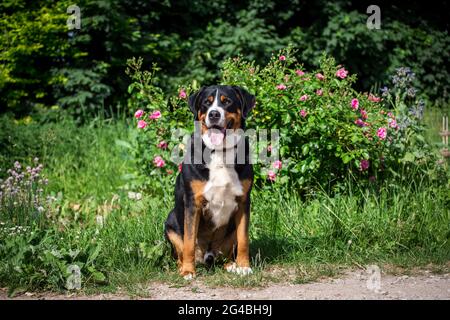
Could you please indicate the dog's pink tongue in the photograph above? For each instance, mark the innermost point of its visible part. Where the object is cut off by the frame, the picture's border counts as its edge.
(216, 137)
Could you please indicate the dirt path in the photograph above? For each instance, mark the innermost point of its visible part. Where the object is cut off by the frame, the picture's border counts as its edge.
(351, 285)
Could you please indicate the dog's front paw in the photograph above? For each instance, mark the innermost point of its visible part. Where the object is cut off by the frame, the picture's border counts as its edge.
(187, 273)
(189, 276)
(232, 267)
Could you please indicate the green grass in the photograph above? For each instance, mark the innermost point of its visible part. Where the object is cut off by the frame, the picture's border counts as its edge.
(405, 224)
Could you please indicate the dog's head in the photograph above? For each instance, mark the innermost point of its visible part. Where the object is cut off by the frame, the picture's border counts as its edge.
(221, 110)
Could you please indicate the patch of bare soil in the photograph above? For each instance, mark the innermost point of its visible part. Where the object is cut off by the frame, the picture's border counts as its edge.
(358, 284)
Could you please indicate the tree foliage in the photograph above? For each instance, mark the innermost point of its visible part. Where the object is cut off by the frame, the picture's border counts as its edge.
(42, 63)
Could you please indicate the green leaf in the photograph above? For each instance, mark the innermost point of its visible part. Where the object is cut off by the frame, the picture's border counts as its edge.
(409, 157)
(122, 143)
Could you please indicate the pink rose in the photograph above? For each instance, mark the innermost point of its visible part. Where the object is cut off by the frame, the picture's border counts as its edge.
(299, 72)
(360, 123)
(319, 92)
(162, 145)
(363, 114)
(142, 124)
(282, 58)
(381, 133)
(303, 113)
(277, 165)
(271, 175)
(320, 76)
(374, 98)
(364, 164)
(269, 148)
(355, 104)
(159, 162)
(138, 113)
(182, 94)
(304, 97)
(392, 123)
(281, 87)
(180, 166)
(155, 115)
(390, 115)
(342, 73)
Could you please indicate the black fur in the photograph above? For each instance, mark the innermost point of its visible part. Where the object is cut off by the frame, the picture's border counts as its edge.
(183, 193)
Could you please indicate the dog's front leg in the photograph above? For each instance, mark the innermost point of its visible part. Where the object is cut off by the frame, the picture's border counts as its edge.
(191, 221)
(242, 265)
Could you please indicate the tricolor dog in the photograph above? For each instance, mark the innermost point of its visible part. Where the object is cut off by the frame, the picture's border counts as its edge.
(212, 192)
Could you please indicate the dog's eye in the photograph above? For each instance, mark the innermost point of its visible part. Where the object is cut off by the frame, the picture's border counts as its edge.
(207, 102)
(226, 101)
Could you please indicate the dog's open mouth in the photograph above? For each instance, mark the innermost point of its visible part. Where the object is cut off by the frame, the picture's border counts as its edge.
(217, 133)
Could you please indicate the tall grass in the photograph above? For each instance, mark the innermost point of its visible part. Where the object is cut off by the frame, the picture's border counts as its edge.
(407, 221)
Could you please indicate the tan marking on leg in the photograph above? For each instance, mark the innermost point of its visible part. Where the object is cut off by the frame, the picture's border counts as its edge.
(177, 243)
(191, 222)
(242, 223)
(190, 236)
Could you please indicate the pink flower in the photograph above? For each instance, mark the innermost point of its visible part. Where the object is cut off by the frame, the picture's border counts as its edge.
(304, 97)
(342, 73)
(162, 145)
(390, 115)
(392, 123)
(320, 76)
(142, 124)
(269, 148)
(355, 104)
(155, 115)
(299, 72)
(271, 175)
(159, 162)
(138, 113)
(282, 58)
(182, 94)
(374, 98)
(360, 123)
(303, 113)
(363, 114)
(381, 133)
(319, 92)
(180, 166)
(364, 164)
(281, 87)
(277, 165)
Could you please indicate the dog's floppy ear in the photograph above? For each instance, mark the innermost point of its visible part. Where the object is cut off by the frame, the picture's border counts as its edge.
(247, 100)
(193, 102)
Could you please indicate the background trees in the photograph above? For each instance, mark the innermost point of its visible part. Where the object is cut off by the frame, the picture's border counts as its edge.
(44, 64)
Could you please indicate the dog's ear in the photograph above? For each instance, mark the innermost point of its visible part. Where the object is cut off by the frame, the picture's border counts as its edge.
(194, 100)
(247, 100)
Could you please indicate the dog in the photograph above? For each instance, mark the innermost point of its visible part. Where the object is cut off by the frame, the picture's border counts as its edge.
(211, 216)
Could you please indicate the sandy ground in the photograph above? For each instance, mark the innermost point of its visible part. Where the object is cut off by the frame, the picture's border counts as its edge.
(351, 285)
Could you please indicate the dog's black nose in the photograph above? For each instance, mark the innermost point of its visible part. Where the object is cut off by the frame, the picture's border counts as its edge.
(214, 115)
(208, 258)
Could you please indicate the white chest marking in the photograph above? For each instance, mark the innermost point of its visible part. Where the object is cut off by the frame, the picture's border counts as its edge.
(221, 190)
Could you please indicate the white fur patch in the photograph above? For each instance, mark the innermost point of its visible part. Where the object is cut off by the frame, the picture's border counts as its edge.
(221, 190)
(233, 268)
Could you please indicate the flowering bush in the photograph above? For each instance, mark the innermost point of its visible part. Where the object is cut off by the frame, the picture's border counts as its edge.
(326, 128)
(155, 118)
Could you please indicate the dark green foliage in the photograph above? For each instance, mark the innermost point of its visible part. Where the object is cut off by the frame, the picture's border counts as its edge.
(42, 63)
